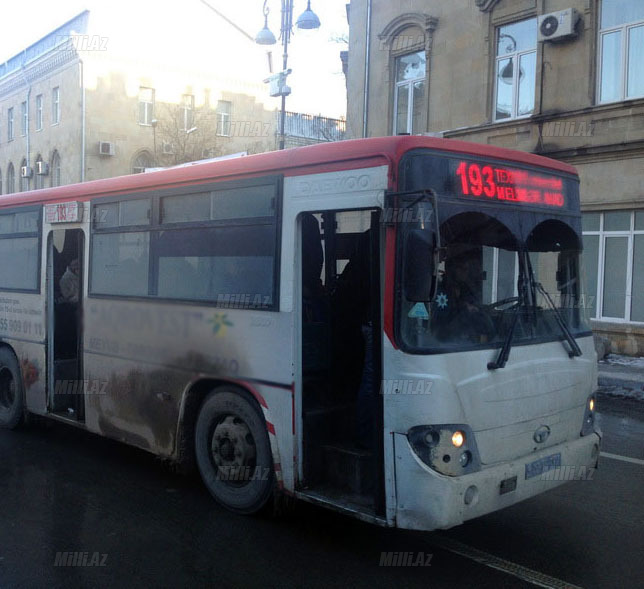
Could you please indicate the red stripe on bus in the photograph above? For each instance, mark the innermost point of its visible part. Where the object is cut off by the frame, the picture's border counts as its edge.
(293, 406)
(270, 427)
(314, 159)
(253, 392)
(390, 275)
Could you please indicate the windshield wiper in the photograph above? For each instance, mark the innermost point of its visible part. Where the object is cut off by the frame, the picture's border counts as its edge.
(575, 350)
(504, 352)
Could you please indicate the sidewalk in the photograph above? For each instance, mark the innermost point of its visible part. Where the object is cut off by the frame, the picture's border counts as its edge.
(622, 375)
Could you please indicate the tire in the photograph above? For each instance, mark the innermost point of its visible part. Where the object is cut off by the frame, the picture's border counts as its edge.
(233, 451)
(11, 390)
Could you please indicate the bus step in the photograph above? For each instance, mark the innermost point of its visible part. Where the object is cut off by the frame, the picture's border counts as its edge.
(348, 467)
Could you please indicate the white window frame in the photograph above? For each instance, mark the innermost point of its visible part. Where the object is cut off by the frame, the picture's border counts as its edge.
(599, 292)
(149, 107)
(625, 30)
(187, 111)
(39, 118)
(10, 129)
(410, 93)
(55, 171)
(517, 55)
(55, 105)
(223, 119)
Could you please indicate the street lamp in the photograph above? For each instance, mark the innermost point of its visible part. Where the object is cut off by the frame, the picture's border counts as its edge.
(307, 20)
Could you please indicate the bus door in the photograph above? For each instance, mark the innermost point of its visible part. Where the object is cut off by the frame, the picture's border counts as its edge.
(65, 255)
(341, 358)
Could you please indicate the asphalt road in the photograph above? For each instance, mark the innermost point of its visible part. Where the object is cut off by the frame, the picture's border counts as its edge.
(63, 490)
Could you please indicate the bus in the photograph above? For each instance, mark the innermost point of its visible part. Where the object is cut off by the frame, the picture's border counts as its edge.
(391, 327)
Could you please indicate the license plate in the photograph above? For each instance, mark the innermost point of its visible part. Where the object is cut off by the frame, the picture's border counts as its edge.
(538, 467)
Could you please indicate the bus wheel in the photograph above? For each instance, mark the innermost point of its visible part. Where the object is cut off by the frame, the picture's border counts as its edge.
(233, 451)
(11, 401)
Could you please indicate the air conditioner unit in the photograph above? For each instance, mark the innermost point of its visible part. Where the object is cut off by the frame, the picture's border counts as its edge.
(26, 171)
(167, 148)
(105, 148)
(42, 168)
(558, 26)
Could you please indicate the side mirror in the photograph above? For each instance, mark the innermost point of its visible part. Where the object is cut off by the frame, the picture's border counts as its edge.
(418, 266)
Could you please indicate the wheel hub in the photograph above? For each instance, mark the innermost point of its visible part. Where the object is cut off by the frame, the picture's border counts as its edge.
(233, 450)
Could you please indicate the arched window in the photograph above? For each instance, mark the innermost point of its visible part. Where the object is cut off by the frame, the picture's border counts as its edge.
(141, 161)
(11, 179)
(24, 180)
(408, 39)
(39, 181)
(55, 169)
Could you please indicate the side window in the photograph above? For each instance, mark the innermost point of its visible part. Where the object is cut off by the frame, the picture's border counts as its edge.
(230, 259)
(218, 246)
(120, 249)
(19, 250)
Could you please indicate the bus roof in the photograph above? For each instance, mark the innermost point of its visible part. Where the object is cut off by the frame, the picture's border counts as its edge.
(320, 158)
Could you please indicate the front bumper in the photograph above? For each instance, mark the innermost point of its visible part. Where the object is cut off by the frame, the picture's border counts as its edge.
(427, 500)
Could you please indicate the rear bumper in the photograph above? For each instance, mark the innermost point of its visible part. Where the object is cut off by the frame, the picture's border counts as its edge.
(427, 500)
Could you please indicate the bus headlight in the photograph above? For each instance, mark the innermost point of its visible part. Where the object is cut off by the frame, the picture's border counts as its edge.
(588, 426)
(448, 449)
(458, 439)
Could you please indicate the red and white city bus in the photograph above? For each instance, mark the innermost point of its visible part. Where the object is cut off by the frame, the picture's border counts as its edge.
(391, 327)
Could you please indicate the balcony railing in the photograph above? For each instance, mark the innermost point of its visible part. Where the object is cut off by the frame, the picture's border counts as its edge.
(312, 128)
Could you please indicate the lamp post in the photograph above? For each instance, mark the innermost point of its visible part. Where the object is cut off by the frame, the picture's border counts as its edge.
(307, 20)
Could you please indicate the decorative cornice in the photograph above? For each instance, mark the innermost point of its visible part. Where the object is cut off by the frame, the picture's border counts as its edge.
(423, 21)
(486, 5)
(39, 69)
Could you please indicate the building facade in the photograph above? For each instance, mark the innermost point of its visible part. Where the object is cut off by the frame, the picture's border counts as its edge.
(72, 109)
(500, 72)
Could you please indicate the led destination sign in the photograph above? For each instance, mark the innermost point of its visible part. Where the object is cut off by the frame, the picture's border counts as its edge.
(490, 182)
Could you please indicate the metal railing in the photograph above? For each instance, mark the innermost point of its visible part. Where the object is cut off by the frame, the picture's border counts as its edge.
(313, 128)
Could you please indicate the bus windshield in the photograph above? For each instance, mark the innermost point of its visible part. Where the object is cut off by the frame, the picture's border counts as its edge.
(500, 265)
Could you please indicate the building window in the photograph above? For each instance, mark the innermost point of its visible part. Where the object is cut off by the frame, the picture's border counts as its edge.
(614, 261)
(10, 124)
(39, 112)
(187, 112)
(141, 162)
(224, 110)
(146, 106)
(621, 42)
(24, 118)
(24, 179)
(55, 106)
(55, 169)
(11, 179)
(516, 69)
(411, 82)
(39, 179)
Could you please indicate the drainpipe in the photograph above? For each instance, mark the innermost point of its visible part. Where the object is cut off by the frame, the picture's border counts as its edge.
(22, 71)
(367, 58)
(82, 86)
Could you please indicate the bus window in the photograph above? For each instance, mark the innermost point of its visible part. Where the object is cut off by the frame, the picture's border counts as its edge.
(19, 245)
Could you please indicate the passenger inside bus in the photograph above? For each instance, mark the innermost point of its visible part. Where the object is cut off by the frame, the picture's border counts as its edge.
(69, 283)
(458, 309)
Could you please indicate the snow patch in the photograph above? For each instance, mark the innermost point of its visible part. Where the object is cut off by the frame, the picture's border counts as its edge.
(619, 360)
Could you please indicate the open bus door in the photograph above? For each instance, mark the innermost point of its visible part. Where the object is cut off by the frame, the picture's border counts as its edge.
(65, 256)
(342, 359)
